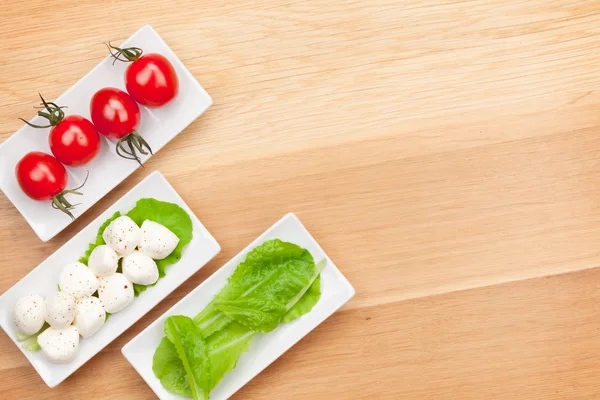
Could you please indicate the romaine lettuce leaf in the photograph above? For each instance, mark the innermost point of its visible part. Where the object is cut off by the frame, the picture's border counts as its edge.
(277, 281)
(225, 348)
(258, 314)
(192, 351)
(168, 368)
(306, 302)
(274, 270)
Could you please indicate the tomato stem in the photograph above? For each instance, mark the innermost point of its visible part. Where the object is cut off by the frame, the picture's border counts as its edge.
(54, 114)
(128, 54)
(59, 202)
(136, 143)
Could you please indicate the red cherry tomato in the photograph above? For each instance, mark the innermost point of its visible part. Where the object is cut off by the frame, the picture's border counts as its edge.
(114, 113)
(117, 116)
(74, 141)
(41, 176)
(151, 80)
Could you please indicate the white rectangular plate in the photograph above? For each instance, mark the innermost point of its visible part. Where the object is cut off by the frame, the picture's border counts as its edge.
(265, 348)
(158, 126)
(43, 279)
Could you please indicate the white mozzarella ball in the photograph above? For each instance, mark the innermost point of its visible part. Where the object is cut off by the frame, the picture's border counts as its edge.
(157, 241)
(59, 345)
(29, 314)
(78, 280)
(116, 292)
(140, 269)
(123, 235)
(60, 309)
(103, 261)
(90, 316)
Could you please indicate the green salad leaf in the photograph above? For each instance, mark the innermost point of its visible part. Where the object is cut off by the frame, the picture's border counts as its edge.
(278, 281)
(173, 217)
(261, 315)
(30, 342)
(306, 302)
(225, 348)
(192, 351)
(273, 270)
(168, 368)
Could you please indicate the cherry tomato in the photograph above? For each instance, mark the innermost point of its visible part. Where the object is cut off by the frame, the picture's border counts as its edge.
(114, 113)
(117, 116)
(74, 141)
(41, 176)
(150, 79)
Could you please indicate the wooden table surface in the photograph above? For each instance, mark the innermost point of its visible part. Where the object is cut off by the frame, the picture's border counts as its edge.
(445, 154)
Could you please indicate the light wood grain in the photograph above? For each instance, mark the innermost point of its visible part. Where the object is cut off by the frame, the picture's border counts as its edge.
(444, 154)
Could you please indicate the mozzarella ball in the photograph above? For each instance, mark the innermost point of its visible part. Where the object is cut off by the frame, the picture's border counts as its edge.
(29, 314)
(140, 269)
(116, 292)
(78, 280)
(103, 261)
(157, 241)
(123, 235)
(90, 316)
(59, 345)
(60, 310)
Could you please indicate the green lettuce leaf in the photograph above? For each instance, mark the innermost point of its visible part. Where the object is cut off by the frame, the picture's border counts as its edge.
(32, 344)
(306, 302)
(261, 315)
(192, 351)
(31, 341)
(170, 215)
(274, 270)
(225, 348)
(277, 281)
(168, 368)
(174, 218)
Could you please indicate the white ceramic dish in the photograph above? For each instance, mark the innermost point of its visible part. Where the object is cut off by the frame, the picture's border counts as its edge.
(265, 348)
(158, 126)
(44, 278)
